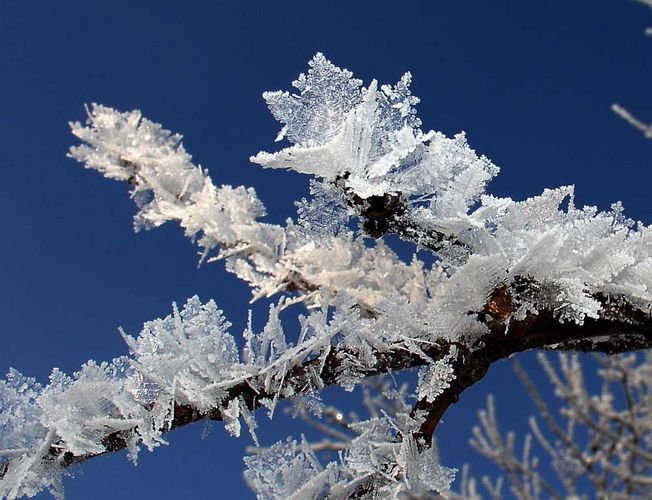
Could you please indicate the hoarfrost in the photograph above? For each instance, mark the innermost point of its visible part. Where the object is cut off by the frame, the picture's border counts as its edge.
(185, 352)
(173, 360)
(434, 379)
(288, 470)
(372, 160)
(324, 215)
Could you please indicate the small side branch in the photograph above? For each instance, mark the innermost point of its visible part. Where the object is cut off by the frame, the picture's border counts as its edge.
(632, 120)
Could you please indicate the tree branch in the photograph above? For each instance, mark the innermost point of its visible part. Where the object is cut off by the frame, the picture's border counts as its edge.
(625, 330)
(504, 337)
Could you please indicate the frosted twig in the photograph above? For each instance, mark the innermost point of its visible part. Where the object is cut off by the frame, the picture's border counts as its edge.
(632, 120)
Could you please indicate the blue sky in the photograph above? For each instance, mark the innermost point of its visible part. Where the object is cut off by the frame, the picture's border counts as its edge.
(530, 82)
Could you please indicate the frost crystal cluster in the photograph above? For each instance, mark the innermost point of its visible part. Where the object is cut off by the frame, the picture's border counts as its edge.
(489, 277)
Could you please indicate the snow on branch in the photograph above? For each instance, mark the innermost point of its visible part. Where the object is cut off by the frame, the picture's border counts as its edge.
(421, 184)
(185, 368)
(166, 184)
(504, 276)
(600, 435)
(624, 113)
(182, 368)
(632, 120)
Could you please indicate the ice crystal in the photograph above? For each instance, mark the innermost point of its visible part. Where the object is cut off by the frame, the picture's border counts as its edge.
(435, 378)
(288, 470)
(231, 415)
(20, 415)
(324, 215)
(366, 134)
(315, 116)
(374, 465)
(393, 467)
(185, 352)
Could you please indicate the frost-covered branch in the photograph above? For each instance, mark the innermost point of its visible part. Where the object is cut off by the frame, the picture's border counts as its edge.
(632, 120)
(604, 439)
(624, 113)
(175, 378)
(167, 186)
(504, 276)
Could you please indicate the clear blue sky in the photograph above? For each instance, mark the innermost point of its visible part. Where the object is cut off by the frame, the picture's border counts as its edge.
(530, 82)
